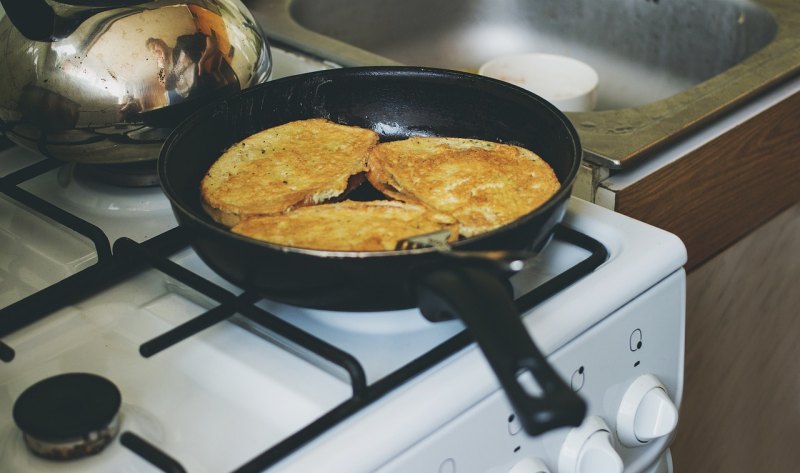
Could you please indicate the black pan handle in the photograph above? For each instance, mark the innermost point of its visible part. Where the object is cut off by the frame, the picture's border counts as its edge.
(483, 302)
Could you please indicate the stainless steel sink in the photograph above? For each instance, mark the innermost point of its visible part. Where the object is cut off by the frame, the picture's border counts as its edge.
(665, 66)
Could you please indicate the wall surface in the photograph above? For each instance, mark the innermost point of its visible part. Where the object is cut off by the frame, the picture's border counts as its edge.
(741, 407)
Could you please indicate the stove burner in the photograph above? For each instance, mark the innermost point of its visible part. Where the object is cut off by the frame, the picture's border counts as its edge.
(135, 174)
(68, 416)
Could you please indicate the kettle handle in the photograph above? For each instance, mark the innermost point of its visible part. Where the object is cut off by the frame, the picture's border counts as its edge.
(37, 20)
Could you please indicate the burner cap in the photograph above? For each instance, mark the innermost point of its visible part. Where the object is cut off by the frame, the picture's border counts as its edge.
(69, 415)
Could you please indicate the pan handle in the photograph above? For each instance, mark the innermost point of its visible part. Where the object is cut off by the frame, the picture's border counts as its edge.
(480, 299)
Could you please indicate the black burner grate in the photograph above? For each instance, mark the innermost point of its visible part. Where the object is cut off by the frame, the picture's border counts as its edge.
(129, 257)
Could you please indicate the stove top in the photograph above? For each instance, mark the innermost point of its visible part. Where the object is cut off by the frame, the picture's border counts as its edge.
(98, 279)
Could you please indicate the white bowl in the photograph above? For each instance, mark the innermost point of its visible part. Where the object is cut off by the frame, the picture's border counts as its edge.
(567, 83)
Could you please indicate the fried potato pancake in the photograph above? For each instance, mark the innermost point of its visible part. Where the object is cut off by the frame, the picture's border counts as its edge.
(299, 163)
(482, 184)
(347, 225)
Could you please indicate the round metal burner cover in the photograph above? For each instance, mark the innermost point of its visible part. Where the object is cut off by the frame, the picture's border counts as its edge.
(67, 406)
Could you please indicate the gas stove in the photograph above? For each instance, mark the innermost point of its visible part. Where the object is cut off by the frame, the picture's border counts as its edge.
(99, 287)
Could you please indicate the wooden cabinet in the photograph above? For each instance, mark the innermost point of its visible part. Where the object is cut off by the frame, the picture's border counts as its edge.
(720, 192)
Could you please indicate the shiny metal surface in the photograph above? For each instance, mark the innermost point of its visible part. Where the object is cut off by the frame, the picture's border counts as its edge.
(665, 66)
(112, 90)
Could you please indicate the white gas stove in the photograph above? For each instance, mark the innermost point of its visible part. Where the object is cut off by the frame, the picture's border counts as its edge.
(96, 279)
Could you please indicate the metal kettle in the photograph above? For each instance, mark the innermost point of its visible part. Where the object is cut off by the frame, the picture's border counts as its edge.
(105, 81)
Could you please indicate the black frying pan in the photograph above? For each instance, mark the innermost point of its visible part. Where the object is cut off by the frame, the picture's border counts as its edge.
(396, 102)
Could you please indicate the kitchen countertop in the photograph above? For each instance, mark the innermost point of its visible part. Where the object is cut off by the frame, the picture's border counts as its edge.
(721, 182)
(618, 137)
(643, 130)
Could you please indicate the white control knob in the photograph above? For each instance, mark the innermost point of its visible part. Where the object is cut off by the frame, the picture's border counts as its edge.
(589, 449)
(529, 465)
(646, 412)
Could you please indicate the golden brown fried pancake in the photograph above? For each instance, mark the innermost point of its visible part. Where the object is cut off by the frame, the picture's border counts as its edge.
(482, 184)
(292, 165)
(347, 225)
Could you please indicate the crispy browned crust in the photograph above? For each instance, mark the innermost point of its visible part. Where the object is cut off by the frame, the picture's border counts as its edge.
(285, 167)
(482, 184)
(347, 225)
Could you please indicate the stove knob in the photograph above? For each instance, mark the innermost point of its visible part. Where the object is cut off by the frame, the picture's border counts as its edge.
(589, 449)
(529, 465)
(646, 412)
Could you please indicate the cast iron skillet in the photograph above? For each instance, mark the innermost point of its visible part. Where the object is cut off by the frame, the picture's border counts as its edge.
(396, 102)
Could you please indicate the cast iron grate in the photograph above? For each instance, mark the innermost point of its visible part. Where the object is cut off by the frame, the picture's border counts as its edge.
(14, 316)
(129, 257)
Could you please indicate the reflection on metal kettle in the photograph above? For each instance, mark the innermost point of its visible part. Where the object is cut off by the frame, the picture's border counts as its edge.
(104, 81)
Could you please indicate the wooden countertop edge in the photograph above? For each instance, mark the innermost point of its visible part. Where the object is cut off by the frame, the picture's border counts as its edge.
(723, 190)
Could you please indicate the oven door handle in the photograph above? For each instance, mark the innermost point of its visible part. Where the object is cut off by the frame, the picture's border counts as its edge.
(482, 300)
